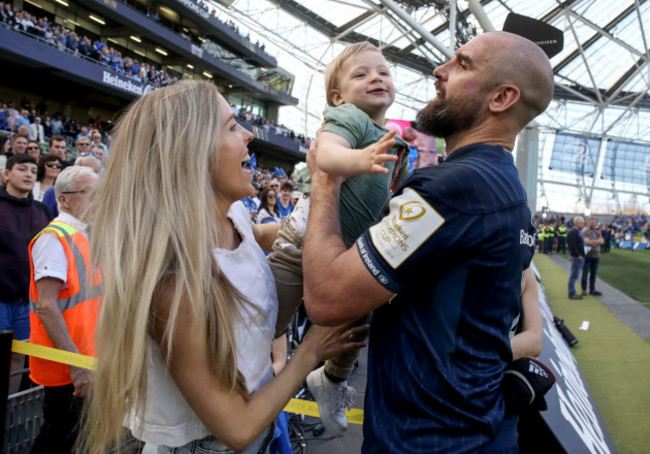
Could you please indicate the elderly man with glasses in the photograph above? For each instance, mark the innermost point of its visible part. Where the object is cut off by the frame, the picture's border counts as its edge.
(96, 138)
(82, 144)
(84, 159)
(65, 295)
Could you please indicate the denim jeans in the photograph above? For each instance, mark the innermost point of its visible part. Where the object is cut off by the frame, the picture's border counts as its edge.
(576, 268)
(210, 445)
(15, 316)
(590, 268)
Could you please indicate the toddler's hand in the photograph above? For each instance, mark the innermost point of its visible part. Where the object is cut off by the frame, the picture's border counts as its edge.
(374, 156)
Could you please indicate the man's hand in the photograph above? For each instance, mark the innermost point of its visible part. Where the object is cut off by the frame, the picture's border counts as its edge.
(374, 156)
(81, 380)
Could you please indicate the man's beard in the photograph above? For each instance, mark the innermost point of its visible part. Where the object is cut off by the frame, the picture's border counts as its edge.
(444, 117)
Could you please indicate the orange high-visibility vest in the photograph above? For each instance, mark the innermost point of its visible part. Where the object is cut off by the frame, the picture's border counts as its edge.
(79, 303)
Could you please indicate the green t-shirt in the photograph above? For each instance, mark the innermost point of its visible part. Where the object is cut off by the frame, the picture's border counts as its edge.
(363, 196)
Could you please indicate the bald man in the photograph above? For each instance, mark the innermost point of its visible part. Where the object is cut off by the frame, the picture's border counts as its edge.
(443, 269)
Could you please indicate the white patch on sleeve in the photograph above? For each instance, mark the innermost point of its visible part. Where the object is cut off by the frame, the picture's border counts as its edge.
(409, 223)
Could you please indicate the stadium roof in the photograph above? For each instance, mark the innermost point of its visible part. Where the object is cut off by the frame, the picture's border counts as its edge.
(604, 61)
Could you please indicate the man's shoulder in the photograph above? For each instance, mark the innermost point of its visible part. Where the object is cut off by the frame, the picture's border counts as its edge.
(466, 188)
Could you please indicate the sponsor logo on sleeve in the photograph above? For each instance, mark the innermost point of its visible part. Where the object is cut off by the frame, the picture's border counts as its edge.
(407, 226)
(369, 263)
(526, 239)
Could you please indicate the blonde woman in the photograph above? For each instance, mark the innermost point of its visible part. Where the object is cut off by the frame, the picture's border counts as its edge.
(184, 337)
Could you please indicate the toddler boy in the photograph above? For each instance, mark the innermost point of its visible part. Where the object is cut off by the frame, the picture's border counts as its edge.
(353, 143)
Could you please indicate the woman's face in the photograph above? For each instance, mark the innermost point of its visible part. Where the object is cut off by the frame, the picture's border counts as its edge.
(232, 180)
(271, 198)
(52, 168)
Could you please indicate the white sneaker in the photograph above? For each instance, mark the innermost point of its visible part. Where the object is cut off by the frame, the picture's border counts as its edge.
(332, 399)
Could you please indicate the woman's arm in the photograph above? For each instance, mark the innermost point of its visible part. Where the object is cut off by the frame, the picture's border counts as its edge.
(337, 157)
(529, 341)
(232, 418)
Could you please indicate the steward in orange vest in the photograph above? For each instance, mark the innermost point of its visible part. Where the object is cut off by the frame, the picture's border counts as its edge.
(65, 297)
(79, 304)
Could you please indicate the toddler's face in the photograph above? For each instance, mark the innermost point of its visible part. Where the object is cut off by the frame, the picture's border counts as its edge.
(365, 81)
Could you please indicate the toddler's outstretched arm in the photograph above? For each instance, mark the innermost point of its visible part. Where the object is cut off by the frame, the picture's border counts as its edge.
(337, 157)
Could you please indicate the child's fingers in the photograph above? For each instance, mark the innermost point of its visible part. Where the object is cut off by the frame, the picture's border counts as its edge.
(382, 146)
(382, 158)
(389, 135)
(378, 168)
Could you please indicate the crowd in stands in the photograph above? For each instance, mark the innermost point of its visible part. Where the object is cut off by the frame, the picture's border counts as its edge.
(68, 40)
(274, 197)
(53, 144)
(35, 123)
(229, 23)
(249, 117)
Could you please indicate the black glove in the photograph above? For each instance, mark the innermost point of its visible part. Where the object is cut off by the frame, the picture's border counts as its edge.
(525, 382)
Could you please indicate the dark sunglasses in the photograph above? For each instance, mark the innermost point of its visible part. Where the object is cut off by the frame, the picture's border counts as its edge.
(53, 165)
(269, 196)
(33, 147)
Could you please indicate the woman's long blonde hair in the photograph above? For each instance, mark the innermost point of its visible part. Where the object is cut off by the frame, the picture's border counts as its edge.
(157, 218)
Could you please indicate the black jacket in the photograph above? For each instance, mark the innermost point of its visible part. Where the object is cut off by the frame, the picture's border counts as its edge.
(575, 243)
(20, 221)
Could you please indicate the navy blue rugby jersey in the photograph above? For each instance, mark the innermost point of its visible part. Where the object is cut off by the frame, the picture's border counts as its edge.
(452, 246)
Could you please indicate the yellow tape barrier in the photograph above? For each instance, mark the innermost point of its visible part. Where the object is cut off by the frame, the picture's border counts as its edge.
(302, 407)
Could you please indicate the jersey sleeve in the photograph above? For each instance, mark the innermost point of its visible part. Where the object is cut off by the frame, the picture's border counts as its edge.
(347, 121)
(414, 236)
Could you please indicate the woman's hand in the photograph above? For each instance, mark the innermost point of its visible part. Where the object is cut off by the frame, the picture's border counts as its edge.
(326, 342)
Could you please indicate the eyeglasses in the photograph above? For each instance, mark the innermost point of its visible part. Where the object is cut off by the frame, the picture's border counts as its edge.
(53, 165)
(88, 153)
(270, 196)
(34, 148)
(82, 192)
(274, 186)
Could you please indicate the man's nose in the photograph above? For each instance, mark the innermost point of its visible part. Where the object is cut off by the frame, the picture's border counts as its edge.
(441, 71)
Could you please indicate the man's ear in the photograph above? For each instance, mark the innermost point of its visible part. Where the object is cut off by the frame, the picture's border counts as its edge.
(504, 97)
(336, 97)
(61, 201)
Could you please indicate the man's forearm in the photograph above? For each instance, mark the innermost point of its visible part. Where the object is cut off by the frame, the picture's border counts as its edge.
(47, 310)
(55, 327)
(323, 243)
